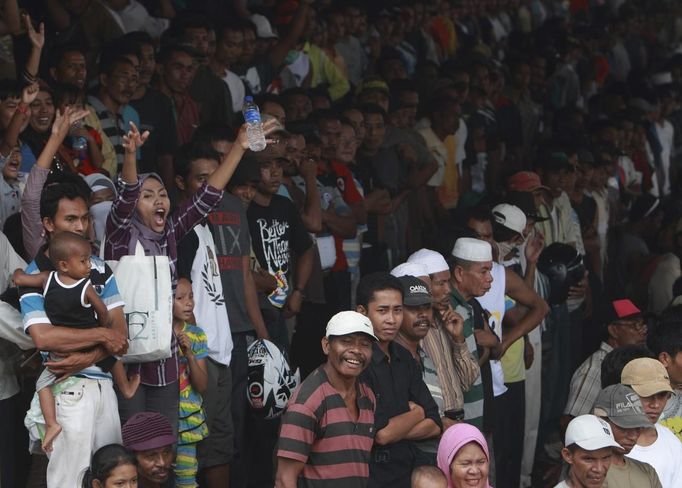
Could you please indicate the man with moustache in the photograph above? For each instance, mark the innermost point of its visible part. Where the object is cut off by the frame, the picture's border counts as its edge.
(406, 412)
(418, 324)
(328, 428)
(150, 437)
(456, 367)
(619, 405)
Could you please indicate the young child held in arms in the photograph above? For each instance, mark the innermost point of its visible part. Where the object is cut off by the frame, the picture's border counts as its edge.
(193, 382)
(70, 301)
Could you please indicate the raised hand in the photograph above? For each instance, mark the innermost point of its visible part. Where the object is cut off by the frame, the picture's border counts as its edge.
(454, 324)
(268, 127)
(133, 139)
(64, 120)
(37, 38)
(29, 93)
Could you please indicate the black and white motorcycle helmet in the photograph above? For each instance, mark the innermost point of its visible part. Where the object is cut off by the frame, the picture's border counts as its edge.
(564, 267)
(270, 382)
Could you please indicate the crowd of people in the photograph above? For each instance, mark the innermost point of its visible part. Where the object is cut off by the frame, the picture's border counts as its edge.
(456, 262)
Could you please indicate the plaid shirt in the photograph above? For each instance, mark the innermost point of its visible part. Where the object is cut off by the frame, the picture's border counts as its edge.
(586, 383)
(188, 214)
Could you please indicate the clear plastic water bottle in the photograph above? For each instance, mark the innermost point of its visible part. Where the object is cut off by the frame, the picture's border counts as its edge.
(80, 145)
(254, 126)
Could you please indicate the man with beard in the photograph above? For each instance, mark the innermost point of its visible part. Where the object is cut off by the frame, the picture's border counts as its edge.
(316, 447)
(418, 324)
(619, 405)
(150, 437)
(406, 411)
(455, 365)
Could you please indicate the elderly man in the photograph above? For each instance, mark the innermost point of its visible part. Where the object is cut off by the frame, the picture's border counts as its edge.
(150, 436)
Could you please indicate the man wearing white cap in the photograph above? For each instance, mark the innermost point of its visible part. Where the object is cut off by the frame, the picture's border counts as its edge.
(472, 261)
(455, 365)
(589, 446)
(316, 447)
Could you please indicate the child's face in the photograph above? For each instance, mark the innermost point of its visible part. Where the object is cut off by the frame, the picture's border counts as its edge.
(7, 108)
(78, 264)
(10, 171)
(73, 102)
(245, 193)
(183, 305)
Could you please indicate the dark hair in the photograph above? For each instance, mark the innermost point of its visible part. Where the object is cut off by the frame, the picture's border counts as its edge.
(9, 89)
(140, 38)
(372, 108)
(109, 62)
(53, 193)
(170, 48)
(65, 92)
(208, 134)
(63, 243)
(479, 213)
(666, 335)
(185, 155)
(105, 460)
(614, 362)
(374, 282)
(190, 20)
(322, 114)
(230, 25)
(58, 53)
(264, 98)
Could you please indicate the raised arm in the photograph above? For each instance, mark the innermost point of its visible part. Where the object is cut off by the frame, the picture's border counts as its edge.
(37, 38)
(10, 139)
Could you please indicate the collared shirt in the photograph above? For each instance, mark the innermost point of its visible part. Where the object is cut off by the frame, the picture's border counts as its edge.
(115, 126)
(586, 383)
(473, 397)
(396, 381)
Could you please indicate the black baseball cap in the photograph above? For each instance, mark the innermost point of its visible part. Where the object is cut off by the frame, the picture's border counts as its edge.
(415, 291)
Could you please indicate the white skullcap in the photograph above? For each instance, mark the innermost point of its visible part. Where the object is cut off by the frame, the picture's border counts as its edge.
(410, 269)
(434, 261)
(474, 250)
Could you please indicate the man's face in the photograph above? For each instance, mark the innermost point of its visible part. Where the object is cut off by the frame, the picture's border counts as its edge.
(270, 176)
(484, 229)
(588, 468)
(179, 71)
(416, 321)
(199, 172)
(199, 39)
(245, 192)
(71, 69)
(121, 84)
(329, 131)
(440, 290)
(476, 279)
(522, 76)
(298, 107)
(358, 120)
(349, 354)
(42, 112)
(230, 47)
(249, 49)
(7, 108)
(385, 311)
(627, 438)
(147, 64)
(377, 97)
(375, 130)
(71, 216)
(410, 104)
(348, 145)
(653, 405)
(155, 465)
(629, 331)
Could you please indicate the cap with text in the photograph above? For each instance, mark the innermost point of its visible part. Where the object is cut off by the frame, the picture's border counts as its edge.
(415, 291)
(621, 405)
(349, 322)
(591, 433)
(474, 250)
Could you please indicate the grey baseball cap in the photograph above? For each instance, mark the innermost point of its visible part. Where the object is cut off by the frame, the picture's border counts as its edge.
(621, 405)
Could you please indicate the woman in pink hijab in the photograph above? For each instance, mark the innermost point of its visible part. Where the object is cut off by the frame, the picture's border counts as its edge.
(463, 457)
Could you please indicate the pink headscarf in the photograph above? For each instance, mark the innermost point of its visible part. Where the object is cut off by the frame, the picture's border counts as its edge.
(455, 438)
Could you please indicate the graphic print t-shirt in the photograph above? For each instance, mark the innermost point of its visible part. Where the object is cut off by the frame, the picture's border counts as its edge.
(276, 230)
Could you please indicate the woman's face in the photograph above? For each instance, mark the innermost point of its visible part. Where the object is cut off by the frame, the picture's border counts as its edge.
(469, 468)
(153, 204)
(122, 476)
(42, 112)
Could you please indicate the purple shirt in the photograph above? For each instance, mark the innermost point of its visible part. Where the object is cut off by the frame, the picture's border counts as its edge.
(118, 231)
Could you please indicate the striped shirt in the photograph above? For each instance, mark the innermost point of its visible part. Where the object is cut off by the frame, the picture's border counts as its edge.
(120, 232)
(473, 397)
(115, 126)
(586, 383)
(318, 430)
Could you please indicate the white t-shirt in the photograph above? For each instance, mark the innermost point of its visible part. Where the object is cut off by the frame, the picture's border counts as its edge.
(665, 455)
(494, 302)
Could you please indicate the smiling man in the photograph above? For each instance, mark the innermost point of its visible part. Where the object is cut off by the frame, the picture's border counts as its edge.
(406, 411)
(328, 429)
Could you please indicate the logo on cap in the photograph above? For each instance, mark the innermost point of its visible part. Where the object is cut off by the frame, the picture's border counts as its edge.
(418, 289)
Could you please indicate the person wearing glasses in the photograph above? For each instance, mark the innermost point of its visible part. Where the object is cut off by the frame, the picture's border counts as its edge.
(623, 324)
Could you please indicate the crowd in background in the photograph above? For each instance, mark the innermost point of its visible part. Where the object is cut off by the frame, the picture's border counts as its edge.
(493, 184)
